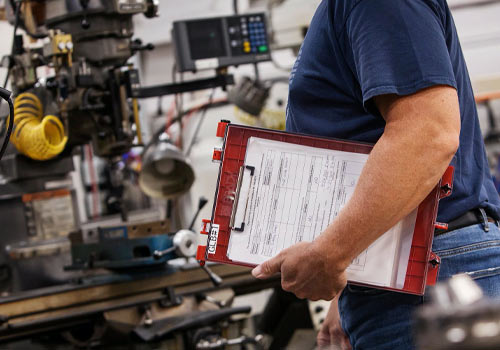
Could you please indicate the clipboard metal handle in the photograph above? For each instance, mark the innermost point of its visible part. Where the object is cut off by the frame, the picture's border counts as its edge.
(236, 197)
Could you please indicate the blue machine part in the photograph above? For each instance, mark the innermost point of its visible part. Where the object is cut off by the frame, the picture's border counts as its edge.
(116, 251)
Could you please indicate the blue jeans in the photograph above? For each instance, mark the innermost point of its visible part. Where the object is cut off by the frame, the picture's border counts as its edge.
(378, 319)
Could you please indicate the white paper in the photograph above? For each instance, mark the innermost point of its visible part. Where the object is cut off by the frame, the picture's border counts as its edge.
(294, 194)
(408, 226)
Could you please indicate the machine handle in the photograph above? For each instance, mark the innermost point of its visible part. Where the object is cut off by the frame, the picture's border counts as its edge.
(216, 279)
(158, 254)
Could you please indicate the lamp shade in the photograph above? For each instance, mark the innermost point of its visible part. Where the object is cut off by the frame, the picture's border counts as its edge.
(166, 172)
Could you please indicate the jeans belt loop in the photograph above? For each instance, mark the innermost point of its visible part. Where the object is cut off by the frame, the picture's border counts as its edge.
(486, 224)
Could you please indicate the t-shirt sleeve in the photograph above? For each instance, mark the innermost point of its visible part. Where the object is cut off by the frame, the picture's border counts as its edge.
(396, 47)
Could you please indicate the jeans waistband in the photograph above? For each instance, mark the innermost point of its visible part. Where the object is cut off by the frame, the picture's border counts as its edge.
(471, 217)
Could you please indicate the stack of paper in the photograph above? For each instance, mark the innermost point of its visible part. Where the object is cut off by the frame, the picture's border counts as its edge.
(295, 192)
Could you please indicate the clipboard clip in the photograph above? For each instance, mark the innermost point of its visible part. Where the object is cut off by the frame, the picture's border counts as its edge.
(235, 198)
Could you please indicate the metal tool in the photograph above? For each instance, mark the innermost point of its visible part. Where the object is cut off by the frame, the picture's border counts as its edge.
(220, 343)
(458, 318)
(184, 245)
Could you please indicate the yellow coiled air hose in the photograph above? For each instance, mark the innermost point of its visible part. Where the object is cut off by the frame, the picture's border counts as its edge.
(34, 135)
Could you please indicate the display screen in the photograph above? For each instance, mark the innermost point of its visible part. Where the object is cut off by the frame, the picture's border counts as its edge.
(206, 39)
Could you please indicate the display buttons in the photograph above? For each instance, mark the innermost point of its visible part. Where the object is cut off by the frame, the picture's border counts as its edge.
(263, 48)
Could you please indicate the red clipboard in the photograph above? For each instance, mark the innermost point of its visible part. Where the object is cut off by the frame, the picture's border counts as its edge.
(423, 264)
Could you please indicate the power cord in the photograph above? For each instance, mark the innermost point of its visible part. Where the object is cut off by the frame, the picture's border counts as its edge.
(198, 125)
(6, 95)
(188, 112)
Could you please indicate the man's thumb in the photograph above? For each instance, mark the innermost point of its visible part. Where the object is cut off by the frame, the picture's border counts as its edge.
(268, 268)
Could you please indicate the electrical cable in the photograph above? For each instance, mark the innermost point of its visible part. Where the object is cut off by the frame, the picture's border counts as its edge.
(235, 7)
(198, 125)
(6, 94)
(93, 182)
(4, 86)
(207, 105)
(256, 71)
(179, 102)
(159, 110)
(186, 113)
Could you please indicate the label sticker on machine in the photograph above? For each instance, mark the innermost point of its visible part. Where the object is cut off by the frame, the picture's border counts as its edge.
(212, 242)
(207, 63)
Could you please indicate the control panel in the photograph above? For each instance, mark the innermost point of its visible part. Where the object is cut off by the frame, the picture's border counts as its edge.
(212, 43)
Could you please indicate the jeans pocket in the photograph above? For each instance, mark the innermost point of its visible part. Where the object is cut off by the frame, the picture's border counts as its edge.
(490, 272)
(476, 253)
(467, 248)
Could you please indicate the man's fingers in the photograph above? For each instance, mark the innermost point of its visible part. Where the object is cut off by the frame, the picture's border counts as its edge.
(345, 344)
(268, 268)
(323, 339)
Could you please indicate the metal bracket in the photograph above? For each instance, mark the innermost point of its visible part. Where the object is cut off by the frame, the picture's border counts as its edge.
(220, 80)
(171, 299)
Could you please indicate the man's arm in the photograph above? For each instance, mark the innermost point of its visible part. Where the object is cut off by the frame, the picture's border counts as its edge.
(420, 139)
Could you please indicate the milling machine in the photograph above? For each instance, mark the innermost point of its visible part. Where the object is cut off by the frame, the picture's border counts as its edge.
(74, 85)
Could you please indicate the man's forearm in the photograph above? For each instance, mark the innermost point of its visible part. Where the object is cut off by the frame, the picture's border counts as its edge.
(403, 167)
(419, 140)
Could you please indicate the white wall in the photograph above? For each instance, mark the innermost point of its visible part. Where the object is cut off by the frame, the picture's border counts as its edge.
(6, 31)
(479, 32)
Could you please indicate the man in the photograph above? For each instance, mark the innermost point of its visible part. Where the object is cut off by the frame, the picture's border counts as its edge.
(389, 72)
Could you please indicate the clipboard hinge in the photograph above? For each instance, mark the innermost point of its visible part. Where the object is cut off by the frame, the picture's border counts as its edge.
(221, 128)
(217, 155)
(236, 197)
(433, 269)
(447, 182)
(204, 224)
(201, 254)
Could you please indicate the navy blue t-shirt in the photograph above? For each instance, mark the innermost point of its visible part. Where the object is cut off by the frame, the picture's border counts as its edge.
(357, 49)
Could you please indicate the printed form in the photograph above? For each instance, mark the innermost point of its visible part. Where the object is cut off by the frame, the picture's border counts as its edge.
(295, 192)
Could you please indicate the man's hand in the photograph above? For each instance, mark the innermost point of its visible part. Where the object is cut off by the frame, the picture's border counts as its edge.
(331, 333)
(306, 271)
